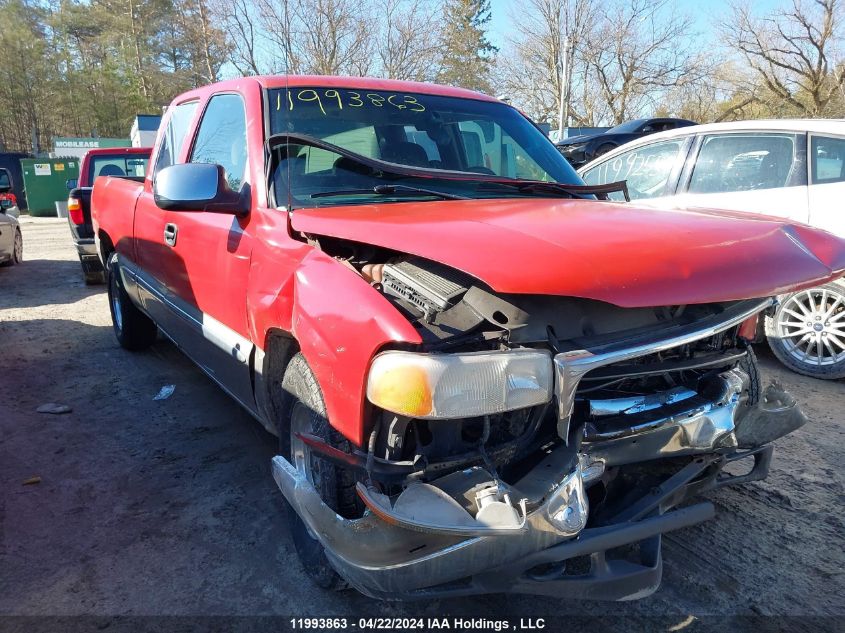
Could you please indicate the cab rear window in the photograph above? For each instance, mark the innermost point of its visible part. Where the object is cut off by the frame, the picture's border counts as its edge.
(123, 165)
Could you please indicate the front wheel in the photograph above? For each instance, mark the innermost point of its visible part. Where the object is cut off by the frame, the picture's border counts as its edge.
(305, 412)
(603, 149)
(807, 331)
(133, 329)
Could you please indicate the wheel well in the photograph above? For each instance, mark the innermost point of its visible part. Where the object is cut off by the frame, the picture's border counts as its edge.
(106, 247)
(280, 348)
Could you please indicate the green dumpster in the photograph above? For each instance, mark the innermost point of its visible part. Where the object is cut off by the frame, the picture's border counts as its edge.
(45, 182)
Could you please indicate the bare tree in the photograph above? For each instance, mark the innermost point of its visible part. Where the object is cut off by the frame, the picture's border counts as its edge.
(531, 71)
(409, 42)
(240, 21)
(639, 50)
(322, 37)
(792, 52)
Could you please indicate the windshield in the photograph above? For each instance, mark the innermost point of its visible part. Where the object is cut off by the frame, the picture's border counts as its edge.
(629, 127)
(414, 130)
(122, 165)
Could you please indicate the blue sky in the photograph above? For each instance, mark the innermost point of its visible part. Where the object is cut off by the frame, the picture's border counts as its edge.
(703, 13)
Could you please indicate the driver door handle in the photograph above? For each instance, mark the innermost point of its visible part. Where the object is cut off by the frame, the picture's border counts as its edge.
(170, 231)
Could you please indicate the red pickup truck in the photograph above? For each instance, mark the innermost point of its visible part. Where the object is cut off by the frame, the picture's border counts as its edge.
(125, 162)
(483, 377)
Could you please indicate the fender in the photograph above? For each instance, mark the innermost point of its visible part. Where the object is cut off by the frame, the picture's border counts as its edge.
(339, 321)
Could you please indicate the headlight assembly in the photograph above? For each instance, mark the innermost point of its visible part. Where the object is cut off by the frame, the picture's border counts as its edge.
(436, 386)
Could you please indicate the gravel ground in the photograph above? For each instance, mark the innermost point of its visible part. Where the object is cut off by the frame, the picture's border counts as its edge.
(167, 508)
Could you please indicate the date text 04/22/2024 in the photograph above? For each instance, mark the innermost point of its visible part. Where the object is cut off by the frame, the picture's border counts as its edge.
(411, 624)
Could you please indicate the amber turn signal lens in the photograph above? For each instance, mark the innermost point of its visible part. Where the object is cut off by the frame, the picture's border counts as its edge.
(402, 389)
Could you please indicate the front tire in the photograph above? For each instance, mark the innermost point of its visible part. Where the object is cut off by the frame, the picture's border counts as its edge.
(807, 331)
(133, 329)
(603, 149)
(305, 412)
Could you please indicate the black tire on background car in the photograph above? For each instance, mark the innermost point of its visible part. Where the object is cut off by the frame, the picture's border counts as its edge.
(133, 329)
(304, 411)
(17, 250)
(93, 276)
(603, 149)
(807, 331)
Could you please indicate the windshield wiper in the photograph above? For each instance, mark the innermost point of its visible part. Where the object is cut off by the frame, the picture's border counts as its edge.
(577, 191)
(390, 190)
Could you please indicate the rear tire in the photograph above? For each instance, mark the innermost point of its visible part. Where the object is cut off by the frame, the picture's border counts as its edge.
(17, 250)
(133, 329)
(93, 277)
(305, 411)
(807, 331)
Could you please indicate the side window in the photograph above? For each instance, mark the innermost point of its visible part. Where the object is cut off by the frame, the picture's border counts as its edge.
(221, 138)
(744, 162)
(174, 136)
(646, 169)
(828, 159)
(5, 181)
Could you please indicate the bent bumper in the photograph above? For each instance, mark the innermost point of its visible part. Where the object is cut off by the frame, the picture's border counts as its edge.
(387, 561)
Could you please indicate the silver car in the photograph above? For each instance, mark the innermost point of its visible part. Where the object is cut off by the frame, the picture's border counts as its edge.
(790, 168)
(11, 240)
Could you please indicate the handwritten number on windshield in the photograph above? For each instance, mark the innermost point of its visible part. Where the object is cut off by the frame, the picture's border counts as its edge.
(350, 99)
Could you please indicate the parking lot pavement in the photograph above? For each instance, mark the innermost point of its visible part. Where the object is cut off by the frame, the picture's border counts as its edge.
(167, 507)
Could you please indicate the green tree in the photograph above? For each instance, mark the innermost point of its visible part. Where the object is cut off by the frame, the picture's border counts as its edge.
(27, 77)
(466, 53)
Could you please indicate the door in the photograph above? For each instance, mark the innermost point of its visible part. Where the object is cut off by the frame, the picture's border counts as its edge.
(760, 172)
(157, 265)
(827, 183)
(212, 252)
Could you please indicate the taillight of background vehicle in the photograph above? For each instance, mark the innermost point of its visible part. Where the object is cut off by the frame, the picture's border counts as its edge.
(74, 210)
(9, 196)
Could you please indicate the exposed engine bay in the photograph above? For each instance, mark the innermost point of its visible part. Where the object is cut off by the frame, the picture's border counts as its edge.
(639, 397)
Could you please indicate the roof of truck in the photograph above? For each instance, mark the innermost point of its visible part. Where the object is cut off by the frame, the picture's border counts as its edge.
(118, 150)
(368, 83)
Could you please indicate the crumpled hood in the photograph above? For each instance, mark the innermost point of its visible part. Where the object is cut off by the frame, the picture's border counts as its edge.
(623, 254)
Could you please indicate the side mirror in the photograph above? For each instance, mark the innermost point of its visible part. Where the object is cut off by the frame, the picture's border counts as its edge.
(198, 187)
(73, 183)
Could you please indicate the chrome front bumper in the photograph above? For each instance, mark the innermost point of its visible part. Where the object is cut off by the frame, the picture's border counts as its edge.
(393, 554)
(424, 543)
(572, 366)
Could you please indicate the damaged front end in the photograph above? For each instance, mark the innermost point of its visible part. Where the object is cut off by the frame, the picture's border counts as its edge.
(537, 444)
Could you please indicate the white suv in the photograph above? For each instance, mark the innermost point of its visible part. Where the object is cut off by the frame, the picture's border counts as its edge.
(789, 168)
